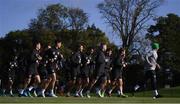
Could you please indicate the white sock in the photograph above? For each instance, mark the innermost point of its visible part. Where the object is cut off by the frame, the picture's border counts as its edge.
(30, 88)
(4, 90)
(119, 92)
(110, 91)
(43, 90)
(97, 90)
(11, 92)
(51, 91)
(155, 92)
(88, 91)
(136, 87)
(77, 92)
(81, 91)
(21, 91)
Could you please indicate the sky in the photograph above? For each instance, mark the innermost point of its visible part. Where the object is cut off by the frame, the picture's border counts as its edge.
(16, 14)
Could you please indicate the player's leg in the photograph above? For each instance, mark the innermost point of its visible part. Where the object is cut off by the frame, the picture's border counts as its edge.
(52, 85)
(90, 86)
(25, 85)
(114, 83)
(85, 81)
(35, 83)
(45, 80)
(78, 87)
(103, 85)
(120, 88)
(10, 84)
(154, 84)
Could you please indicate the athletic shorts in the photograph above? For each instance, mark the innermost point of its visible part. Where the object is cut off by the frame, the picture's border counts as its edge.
(85, 72)
(43, 72)
(117, 74)
(100, 75)
(51, 68)
(68, 75)
(76, 73)
(33, 70)
(11, 74)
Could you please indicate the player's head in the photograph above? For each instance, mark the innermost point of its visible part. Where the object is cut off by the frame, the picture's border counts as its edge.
(90, 50)
(37, 45)
(109, 51)
(122, 52)
(103, 47)
(58, 43)
(48, 46)
(155, 46)
(80, 47)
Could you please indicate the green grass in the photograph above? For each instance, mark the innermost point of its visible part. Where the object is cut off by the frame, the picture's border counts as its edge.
(91, 100)
(170, 96)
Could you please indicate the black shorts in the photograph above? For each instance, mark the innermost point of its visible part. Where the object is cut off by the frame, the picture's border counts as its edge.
(11, 74)
(21, 74)
(68, 75)
(51, 68)
(76, 73)
(85, 72)
(43, 72)
(150, 74)
(33, 70)
(109, 75)
(117, 74)
(91, 69)
(100, 75)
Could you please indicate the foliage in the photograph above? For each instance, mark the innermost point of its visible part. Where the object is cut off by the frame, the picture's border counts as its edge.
(167, 32)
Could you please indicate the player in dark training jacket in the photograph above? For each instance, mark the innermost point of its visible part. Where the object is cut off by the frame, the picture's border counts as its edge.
(117, 71)
(53, 56)
(99, 73)
(32, 71)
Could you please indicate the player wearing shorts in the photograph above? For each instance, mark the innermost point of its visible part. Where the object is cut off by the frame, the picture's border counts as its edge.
(32, 72)
(117, 72)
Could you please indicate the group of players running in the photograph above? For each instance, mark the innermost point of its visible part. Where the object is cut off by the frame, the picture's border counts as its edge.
(83, 71)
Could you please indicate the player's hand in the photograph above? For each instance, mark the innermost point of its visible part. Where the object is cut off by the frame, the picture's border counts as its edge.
(110, 68)
(125, 64)
(61, 56)
(88, 62)
(158, 66)
(40, 58)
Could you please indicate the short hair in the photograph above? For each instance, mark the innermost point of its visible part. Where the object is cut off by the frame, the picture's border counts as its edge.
(58, 41)
(121, 50)
(79, 45)
(109, 49)
(101, 45)
(35, 43)
(91, 47)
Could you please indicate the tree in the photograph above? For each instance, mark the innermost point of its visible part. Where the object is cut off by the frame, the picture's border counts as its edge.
(128, 17)
(167, 33)
(77, 19)
(54, 18)
(57, 17)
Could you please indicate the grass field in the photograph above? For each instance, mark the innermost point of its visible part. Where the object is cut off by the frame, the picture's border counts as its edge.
(169, 96)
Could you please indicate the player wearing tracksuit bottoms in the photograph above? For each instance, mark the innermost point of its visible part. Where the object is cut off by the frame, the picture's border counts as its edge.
(150, 68)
